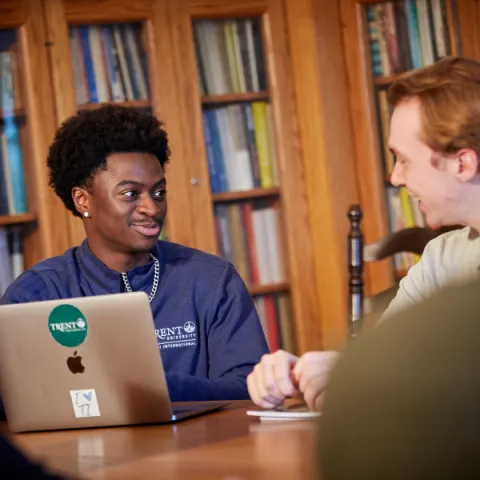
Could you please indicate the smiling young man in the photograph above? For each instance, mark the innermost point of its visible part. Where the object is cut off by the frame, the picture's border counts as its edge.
(435, 135)
(107, 166)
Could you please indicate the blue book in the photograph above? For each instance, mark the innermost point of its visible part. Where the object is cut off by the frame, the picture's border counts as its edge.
(212, 164)
(87, 59)
(373, 33)
(414, 34)
(15, 163)
(3, 187)
(10, 132)
(217, 148)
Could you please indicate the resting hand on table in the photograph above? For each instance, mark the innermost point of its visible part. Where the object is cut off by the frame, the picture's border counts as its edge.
(281, 375)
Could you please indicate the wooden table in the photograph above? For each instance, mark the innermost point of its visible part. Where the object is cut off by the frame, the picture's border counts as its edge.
(227, 445)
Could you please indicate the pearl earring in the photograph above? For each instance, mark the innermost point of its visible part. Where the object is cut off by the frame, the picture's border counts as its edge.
(86, 214)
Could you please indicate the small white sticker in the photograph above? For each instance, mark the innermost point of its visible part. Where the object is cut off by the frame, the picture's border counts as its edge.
(85, 403)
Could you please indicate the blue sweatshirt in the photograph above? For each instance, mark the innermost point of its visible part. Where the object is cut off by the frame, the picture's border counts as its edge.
(206, 325)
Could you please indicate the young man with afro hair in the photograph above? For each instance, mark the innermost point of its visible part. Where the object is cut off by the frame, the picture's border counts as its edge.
(107, 166)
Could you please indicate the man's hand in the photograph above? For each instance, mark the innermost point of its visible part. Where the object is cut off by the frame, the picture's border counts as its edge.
(271, 380)
(311, 373)
(280, 375)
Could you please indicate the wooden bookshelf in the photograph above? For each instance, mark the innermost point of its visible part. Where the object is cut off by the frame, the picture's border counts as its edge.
(234, 98)
(246, 195)
(311, 131)
(205, 103)
(313, 50)
(16, 113)
(242, 157)
(257, 290)
(399, 274)
(301, 97)
(17, 219)
(27, 121)
(132, 104)
(318, 67)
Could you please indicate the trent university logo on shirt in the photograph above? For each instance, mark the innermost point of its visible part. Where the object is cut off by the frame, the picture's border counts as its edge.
(177, 337)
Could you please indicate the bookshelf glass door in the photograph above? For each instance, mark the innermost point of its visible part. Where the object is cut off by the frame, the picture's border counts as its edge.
(240, 150)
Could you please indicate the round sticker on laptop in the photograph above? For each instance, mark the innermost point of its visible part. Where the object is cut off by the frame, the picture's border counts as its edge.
(67, 325)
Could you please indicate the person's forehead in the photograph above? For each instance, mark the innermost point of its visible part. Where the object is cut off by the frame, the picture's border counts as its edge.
(405, 125)
(134, 164)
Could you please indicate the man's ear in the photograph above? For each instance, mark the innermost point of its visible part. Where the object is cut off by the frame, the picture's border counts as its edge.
(466, 164)
(82, 200)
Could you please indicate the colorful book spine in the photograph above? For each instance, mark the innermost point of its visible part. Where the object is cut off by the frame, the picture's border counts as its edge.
(274, 312)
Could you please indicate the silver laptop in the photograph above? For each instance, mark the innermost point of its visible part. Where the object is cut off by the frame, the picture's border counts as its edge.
(84, 362)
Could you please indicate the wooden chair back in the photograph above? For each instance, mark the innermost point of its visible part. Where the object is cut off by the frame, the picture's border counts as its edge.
(413, 240)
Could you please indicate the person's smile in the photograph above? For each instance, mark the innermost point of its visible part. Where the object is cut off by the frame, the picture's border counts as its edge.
(148, 229)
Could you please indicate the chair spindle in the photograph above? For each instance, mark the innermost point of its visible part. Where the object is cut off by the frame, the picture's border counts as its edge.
(355, 267)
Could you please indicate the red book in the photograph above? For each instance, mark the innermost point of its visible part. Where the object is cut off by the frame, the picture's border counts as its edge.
(247, 224)
(272, 323)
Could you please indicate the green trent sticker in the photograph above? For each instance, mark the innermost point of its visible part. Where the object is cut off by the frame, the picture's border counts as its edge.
(67, 325)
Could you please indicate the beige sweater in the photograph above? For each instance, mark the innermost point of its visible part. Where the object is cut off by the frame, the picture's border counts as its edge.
(451, 258)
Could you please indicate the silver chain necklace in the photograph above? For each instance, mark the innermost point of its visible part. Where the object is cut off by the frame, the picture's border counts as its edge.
(156, 276)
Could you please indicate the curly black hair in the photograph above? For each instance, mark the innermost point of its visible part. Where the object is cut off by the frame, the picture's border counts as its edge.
(85, 140)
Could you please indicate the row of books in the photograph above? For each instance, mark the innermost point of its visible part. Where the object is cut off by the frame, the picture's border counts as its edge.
(275, 317)
(11, 257)
(13, 199)
(403, 213)
(406, 34)
(248, 236)
(229, 56)
(109, 63)
(240, 147)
